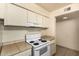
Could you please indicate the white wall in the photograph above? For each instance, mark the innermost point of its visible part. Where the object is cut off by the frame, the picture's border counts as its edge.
(10, 35)
(13, 35)
(67, 33)
(16, 34)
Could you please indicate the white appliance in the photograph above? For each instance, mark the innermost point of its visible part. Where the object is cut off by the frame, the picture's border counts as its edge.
(40, 47)
(52, 47)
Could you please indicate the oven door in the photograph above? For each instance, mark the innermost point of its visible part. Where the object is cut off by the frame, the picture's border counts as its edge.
(42, 51)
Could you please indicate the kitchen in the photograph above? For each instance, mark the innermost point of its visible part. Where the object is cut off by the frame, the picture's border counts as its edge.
(27, 29)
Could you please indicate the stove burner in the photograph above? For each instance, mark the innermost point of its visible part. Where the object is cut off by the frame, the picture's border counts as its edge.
(43, 41)
(40, 39)
(31, 41)
(36, 43)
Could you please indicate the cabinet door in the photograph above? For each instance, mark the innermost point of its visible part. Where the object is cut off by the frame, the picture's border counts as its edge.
(39, 20)
(31, 19)
(45, 22)
(52, 48)
(2, 10)
(15, 15)
(25, 53)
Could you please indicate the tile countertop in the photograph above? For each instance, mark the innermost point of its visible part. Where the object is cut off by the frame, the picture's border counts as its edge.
(15, 48)
(50, 38)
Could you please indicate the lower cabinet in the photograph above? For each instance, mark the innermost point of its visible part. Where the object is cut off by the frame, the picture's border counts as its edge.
(52, 48)
(24, 53)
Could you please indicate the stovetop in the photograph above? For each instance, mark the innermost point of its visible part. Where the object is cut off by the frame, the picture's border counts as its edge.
(38, 42)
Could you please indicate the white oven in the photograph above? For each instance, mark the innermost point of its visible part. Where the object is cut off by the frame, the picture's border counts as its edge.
(39, 48)
(43, 50)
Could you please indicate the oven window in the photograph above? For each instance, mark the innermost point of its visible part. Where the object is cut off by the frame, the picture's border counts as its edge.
(43, 50)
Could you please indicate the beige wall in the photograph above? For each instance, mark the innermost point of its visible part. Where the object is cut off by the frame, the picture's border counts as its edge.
(67, 33)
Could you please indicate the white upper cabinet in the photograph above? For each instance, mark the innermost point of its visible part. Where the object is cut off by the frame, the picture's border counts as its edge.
(2, 10)
(15, 16)
(45, 22)
(34, 19)
(39, 20)
(31, 19)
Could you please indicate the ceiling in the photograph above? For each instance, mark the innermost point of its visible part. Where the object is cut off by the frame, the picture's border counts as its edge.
(52, 6)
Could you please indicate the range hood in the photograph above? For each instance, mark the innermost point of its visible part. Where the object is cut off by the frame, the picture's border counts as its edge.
(67, 16)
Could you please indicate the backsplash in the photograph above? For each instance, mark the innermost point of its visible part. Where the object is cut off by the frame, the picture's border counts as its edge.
(14, 35)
